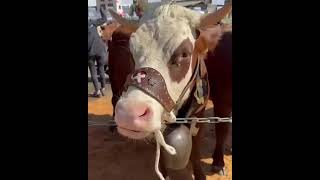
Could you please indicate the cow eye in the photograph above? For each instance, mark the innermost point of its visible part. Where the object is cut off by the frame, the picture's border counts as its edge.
(180, 59)
(174, 61)
(184, 55)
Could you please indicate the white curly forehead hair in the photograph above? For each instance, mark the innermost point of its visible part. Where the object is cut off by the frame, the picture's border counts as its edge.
(171, 11)
(163, 30)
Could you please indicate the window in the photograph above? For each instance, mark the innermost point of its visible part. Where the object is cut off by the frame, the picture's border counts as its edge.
(103, 6)
(110, 4)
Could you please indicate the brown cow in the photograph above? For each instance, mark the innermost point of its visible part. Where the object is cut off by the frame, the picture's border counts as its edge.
(120, 62)
(219, 67)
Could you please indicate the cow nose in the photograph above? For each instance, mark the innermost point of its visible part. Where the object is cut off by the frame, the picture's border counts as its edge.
(133, 112)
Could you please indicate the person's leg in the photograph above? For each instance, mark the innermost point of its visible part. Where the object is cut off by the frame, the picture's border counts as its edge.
(101, 63)
(94, 77)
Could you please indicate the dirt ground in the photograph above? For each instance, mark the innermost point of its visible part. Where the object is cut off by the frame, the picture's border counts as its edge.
(112, 157)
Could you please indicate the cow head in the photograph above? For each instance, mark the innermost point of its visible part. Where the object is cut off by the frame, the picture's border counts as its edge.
(169, 42)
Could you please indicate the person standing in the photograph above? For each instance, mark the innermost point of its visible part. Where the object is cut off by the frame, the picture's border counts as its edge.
(138, 7)
(97, 54)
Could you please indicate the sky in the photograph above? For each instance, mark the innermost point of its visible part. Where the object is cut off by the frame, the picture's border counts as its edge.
(92, 3)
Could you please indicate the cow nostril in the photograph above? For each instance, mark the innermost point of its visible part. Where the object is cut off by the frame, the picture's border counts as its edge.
(146, 111)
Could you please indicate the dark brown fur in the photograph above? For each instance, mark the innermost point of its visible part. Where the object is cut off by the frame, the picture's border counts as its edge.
(179, 62)
(120, 62)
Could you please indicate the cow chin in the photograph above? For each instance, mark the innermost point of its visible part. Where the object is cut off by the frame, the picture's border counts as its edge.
(132, 133)
(137, 115)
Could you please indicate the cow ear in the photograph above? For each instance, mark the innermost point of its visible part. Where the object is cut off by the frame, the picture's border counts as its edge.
(108, 31)
(128, 25)
(215, 17)
(208, 39)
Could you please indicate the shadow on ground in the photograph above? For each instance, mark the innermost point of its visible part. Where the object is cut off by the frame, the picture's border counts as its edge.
(104, 117)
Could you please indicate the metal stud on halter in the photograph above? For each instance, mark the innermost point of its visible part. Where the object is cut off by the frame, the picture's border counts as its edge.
(152, 83)
(138, 76)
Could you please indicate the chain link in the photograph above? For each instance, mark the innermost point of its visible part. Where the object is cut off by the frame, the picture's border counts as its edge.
(210, 120)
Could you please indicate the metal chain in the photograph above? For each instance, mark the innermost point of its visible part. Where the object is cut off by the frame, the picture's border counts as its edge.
(211, 120)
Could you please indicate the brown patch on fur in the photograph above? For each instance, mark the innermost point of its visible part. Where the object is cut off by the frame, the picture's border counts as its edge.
(208, 39)
(108, 30)
(226, 27)
(124, 30)
(215, 17)
(114, 27)
(180, 61)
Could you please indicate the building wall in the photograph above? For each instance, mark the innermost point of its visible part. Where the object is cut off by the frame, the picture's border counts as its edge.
(105, 4)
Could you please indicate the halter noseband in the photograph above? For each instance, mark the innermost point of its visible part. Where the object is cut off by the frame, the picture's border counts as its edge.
(152, 83)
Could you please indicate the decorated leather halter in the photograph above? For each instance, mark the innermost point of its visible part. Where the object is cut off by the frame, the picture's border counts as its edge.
(152, 83)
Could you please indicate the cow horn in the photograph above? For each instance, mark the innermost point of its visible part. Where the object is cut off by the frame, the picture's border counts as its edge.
(215, 17)
(132, 27)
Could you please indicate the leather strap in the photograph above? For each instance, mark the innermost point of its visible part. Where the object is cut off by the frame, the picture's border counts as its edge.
(152, 83)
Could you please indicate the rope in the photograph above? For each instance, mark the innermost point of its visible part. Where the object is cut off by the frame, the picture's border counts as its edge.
(157, 162)
(171, 150)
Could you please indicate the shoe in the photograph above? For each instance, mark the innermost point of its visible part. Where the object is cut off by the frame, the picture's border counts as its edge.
(96, 94)
(102, 91)
(218, 170)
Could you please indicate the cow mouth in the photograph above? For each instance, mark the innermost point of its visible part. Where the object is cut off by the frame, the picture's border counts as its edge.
(129, 129)
(134, 134)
